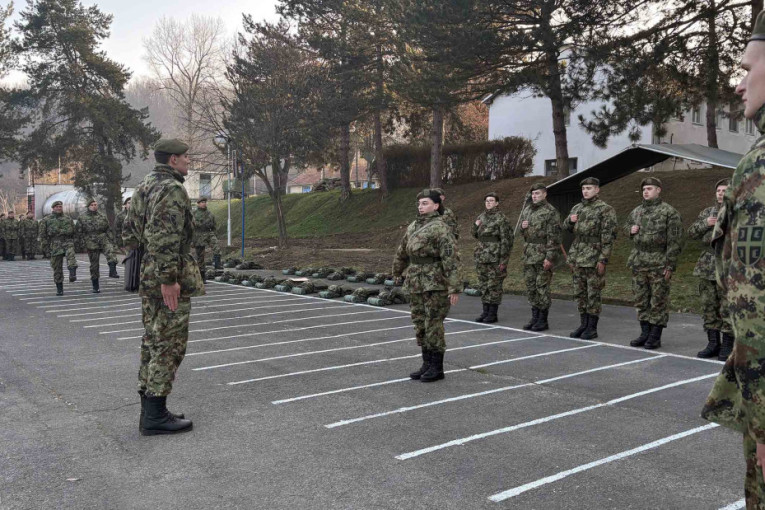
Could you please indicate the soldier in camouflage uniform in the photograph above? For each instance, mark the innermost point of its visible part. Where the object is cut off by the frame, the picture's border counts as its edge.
(160, 220)
(540, 227)
(495, 241)
(737, 400)
(28, 232)
(119, 221)
(594, 225)
(449, 217)
(204, 235)
(428, 258)
(713, 304)
(11, 235)
(93, 230)
(656, 231)
(57, 236)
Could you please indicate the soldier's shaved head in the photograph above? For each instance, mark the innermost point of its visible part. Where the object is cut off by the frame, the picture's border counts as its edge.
(752, 85)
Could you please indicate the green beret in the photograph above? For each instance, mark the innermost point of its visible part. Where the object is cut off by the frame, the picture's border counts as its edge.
(171, 146)
(758, 32)
(650, 181)
(56, 203)
(492, 195)
(722, 182)
(590, 181)
(201, 199)
(440, 191)
(429, 193)
(538, 185)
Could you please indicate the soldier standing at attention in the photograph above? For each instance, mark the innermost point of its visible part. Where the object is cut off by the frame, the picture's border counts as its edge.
(28, 233)
(57, 235)
(736, 400)
(93, 229)
(428, 257)
(448, 215)
(11, 234)
(160, 220)
(713, 304)
(540, 227)
(204, 235)
(594, 225)
(119, 221)
(495, 241)
(656, 231)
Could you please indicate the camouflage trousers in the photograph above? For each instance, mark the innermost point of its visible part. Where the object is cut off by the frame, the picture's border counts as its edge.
(207, 240)
(490, 280)
(588, 285)
(163, 346)
(429, 310)
(754, 487)
(28, 246)
(11, 246)
(651, 296)
(94, 257)
(2, 247)
(57, 264)
(537, 285)
(714, 307)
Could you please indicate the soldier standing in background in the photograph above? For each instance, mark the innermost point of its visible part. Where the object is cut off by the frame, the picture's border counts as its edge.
(495, 241)
(540, 227)
(11, 234)
(656, 231)
(57, 235)
(449, 217)
(204, 235)
(714, 307)
(594, 225)
(119, 220)
(28, 233)
(93, 229)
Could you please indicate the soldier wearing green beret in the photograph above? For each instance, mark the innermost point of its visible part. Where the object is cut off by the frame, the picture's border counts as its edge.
(204, 236)
(28, 232)
(57, 232)
(11, 235)
(94, 232)
(594, 225)
(160, 221)
(656, 232)
(449, 217)
(737, 400)
(495, 238)
(713, 304)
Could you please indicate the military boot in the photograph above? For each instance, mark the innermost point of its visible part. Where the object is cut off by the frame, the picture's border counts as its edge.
(713, 344)
(654, 337)
(435, 371)
(59, 289)
(492, 317)
(727, 346)
(541, 323)
(96, 290)
(425, 364)
(592, 327)
(158, 420)
(483, 315)
(142, 394)
(645, 330)
(113, 270)
(216, 262)
(73, 274)
(582, 326)
(534, 317)
(203, 274)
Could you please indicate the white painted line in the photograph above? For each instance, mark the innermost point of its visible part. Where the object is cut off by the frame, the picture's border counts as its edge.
(738, 505)
(247, 302)
(139, 321)
(107, 301)
(132, 307)
(492, 391)
(511, 493)
(505, 430)
(52, 286)
(106, 318)
(194, 314)
(95, 306)
(52, 298)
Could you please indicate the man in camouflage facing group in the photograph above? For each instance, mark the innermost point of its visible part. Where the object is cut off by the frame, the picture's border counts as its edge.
(94, 232)
(204, 236)
(594, 225)
(28, 232)
(10, 229)
(495, 241)
(119, 221)
(57, 233)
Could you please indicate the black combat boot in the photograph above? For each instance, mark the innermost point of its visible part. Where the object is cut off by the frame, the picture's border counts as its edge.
(713, 344)
(582, 326)
(435, 371)
(158, 420)
(727, 346)
(492, 317)
(534, 317)
(425, 364)
(59, 289)
(541, 323)
(72, 274)
(645, 330)
(654, 337)
(96, 290)
(592, 328)
(113, 270)
(142, 394)
(216, 262)
(483, 315)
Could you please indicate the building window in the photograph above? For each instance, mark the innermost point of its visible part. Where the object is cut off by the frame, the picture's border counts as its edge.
(720, 118)
(696, 115)
(733, 124)
(306, 188)
(749, 126)
(205, 186)
(551, 168)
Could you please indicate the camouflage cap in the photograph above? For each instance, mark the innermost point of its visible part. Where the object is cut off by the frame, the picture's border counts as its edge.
(171, 146)
(758, 32)
(57, 203)
(492, 195)
(538, 185)
(201, 199)
(431, 194)
(650, 181)
(90, 201)
(722, 182)
(590, 181)
(440, 191)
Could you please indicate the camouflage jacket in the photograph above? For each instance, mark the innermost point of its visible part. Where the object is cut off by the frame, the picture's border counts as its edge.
(542, 237)
(93, 230)
(451, 220)
(10, 228)
(119, 222)
(594, 232)
(204, 223)
(28, 228)
(660, 239)
(705, 267)
(56, 234)
(160, 220)
(495, 238)
(428, 256)
(737, 397)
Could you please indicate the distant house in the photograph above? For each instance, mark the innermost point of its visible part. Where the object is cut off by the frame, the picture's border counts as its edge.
(305, 181)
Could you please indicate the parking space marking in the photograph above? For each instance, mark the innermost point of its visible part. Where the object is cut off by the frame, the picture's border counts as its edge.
(107, 301)
(738, 505)
(92, 319)
(263, 307)
(137, 306)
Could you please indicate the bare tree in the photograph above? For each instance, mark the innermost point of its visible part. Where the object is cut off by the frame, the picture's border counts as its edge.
(8, 200)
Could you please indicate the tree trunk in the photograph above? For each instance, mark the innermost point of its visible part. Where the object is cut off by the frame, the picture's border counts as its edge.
(437, 140)
(555, 92)
(345, 163)
(382, 170)
(279, 174)
(712, 61)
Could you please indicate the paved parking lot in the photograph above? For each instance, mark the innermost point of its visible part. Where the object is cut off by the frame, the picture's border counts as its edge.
(301, 402)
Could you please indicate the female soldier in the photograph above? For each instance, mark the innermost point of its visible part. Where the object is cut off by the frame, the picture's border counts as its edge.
(495, 240)
(428, 255)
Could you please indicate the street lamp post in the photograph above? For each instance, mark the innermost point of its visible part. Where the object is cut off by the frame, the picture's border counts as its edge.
(220, 139)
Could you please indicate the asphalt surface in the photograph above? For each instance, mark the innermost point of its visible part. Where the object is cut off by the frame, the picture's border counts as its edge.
(305, 403)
